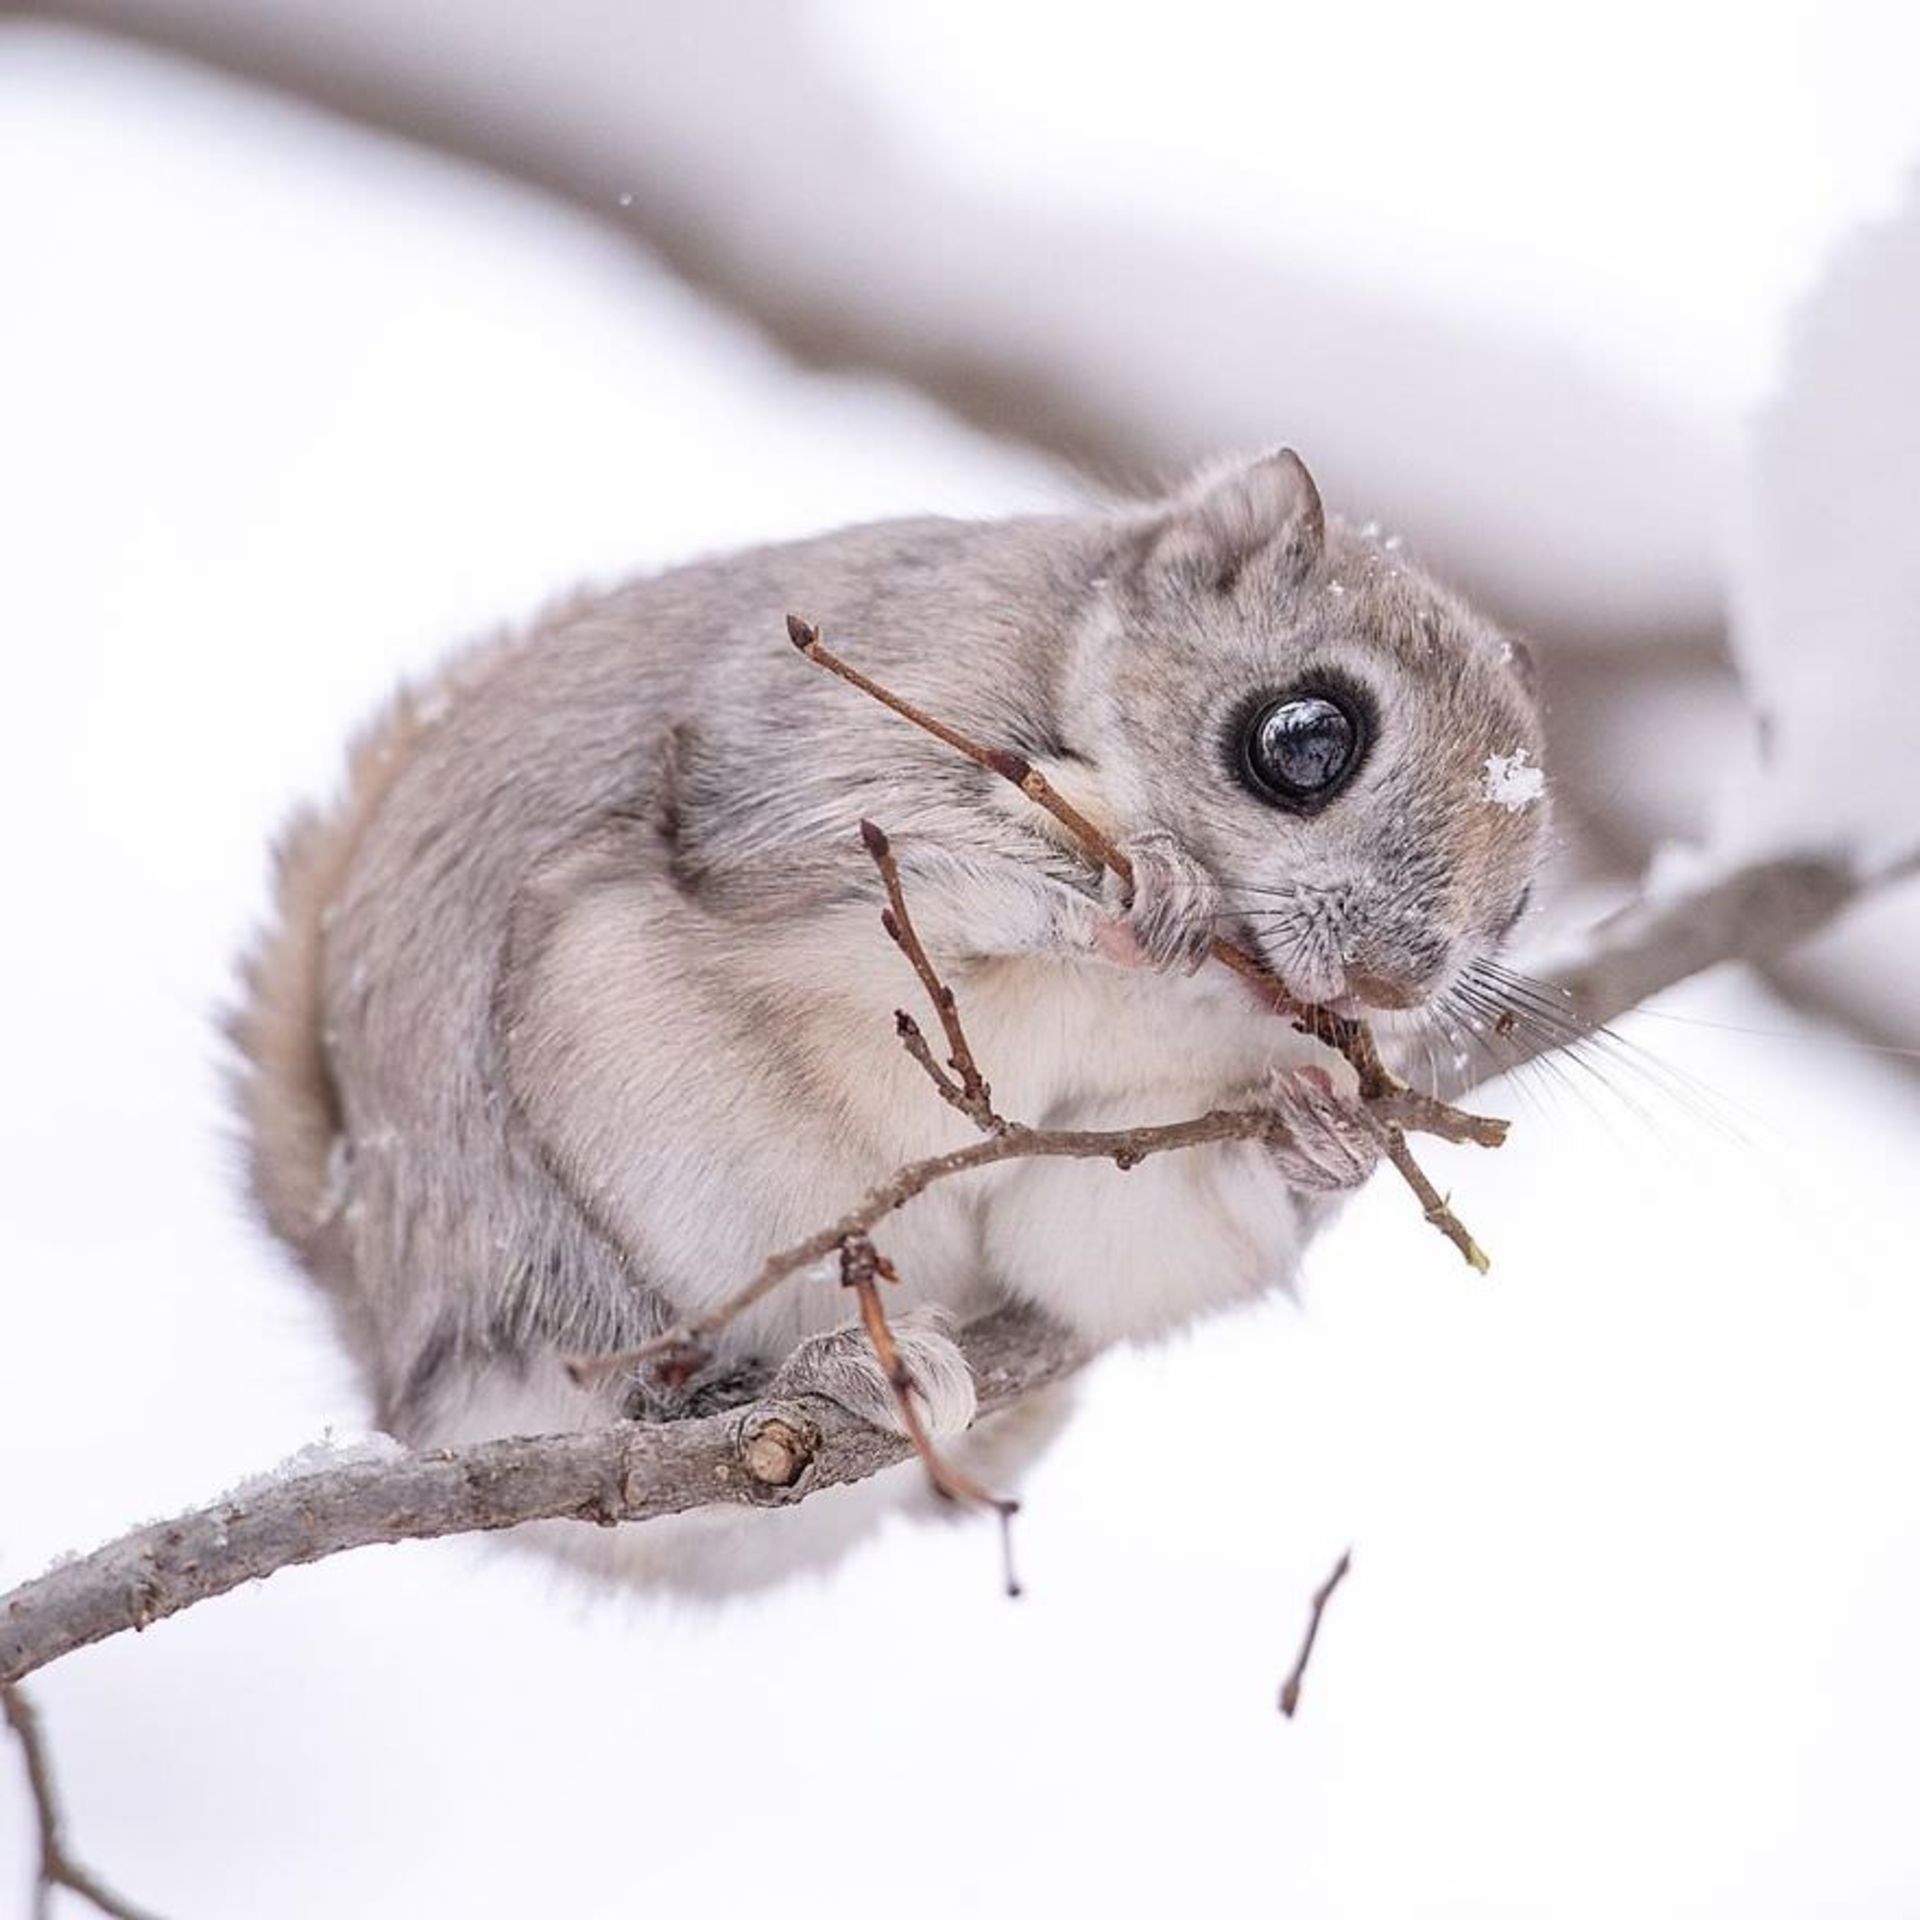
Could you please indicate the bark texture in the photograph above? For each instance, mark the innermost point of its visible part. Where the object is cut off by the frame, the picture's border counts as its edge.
(770, 1454)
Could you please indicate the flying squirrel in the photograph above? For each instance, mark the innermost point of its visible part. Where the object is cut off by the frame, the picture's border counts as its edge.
(573, 1007)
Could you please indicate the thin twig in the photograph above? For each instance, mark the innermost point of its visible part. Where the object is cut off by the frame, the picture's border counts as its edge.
(862, 1267)
(1013, 767)
(917, 1050)
(1290, 1687)
(1433, 1203)
(57, 1868)
(965, 1088)
(1126, 1147)
(1351, 1038)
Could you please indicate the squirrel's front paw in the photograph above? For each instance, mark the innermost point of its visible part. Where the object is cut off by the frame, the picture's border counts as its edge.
(841, 1366)
(1331, 1145)
(1168, 920)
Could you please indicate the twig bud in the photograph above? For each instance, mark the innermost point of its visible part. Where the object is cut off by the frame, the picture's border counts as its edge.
(775, 1453)
(874, 840)
(1009, 765)
(802, 633)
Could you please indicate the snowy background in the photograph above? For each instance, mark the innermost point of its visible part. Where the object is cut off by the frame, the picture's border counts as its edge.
(286, 406)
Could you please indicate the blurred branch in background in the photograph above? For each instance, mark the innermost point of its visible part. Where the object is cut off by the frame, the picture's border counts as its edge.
(721, 139)
(1825, 588)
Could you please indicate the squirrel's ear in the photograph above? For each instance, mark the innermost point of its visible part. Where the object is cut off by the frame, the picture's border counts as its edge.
(1270, 510)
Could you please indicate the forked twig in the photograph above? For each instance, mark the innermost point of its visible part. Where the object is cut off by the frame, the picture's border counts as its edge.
(964, 1087)
(684, 1347)
(1397, 1106)
(57, 1868)
(1290, 1686)
(862, 1267)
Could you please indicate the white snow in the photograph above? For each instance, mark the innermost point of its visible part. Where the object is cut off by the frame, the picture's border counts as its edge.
(320, 1456)
(1511, 782)
(1827, 575)
(1592, 240)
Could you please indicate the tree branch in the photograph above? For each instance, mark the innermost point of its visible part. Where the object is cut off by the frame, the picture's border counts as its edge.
(770, 1454)
(775, 1452)
(964, 1087)
(56, 1868)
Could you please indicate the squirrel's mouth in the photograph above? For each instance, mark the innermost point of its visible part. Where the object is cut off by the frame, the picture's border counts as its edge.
(1382, 993)
(1364, 996)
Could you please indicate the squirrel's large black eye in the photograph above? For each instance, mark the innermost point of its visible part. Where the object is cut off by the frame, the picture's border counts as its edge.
(1300, 750)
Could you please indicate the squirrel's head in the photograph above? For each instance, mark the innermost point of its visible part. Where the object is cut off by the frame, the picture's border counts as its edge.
(1351, 751)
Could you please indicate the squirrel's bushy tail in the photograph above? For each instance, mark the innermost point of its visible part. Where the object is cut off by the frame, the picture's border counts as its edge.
(282, 1085)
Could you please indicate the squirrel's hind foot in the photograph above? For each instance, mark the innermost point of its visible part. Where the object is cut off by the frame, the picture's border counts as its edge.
(842, 1366)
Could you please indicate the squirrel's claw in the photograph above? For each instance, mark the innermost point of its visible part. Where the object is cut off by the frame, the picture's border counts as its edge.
(842, 1366)
(1331, 1145)
(1167, 920)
